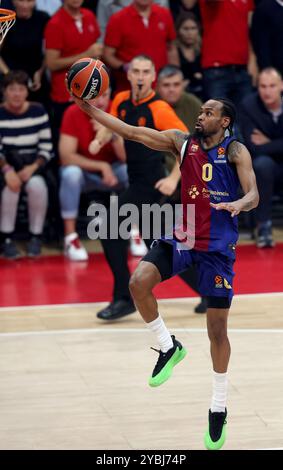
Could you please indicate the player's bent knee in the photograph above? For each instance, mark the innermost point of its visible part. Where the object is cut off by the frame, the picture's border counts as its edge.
(143, 280)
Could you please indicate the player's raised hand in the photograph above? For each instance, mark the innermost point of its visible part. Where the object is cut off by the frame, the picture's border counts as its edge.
(233, 207)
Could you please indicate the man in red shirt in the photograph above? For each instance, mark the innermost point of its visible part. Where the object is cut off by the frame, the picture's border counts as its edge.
(82, 171)
(140, 28)
(227, 56)
(70, 35)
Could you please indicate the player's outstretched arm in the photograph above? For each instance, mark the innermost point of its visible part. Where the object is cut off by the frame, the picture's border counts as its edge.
(239, 154)
(170, 140)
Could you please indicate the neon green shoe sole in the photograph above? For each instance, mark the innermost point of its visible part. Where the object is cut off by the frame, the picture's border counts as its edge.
(167, 370)
(215, 445)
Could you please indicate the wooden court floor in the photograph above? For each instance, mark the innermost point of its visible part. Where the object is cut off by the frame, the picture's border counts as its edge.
(69, 381)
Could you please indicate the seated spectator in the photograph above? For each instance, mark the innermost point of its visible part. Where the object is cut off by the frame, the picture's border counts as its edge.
(70, 35)
(189, 45)
(141, 28)
(82, 171)
(24, 151)
(261, 120)
(23, 48)
(106, 8)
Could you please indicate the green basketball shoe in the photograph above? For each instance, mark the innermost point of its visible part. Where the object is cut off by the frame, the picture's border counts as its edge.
(166, 361)
(215, 436)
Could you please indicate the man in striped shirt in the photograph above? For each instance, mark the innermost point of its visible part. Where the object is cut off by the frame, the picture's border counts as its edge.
(25, 148)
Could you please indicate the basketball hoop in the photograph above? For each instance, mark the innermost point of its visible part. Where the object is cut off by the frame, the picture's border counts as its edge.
(7, 19)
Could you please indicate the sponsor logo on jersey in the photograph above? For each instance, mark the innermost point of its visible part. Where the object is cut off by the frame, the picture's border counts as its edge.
(205, 192)
(193, 191)
(161, 26)
(221, 152)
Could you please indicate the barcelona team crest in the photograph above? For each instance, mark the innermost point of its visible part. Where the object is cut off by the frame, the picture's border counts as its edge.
(194, 147)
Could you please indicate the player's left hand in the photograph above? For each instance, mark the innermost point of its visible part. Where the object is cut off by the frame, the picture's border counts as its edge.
(233, 207)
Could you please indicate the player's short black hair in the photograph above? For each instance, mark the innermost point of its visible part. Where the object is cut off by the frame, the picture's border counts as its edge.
(228, 110)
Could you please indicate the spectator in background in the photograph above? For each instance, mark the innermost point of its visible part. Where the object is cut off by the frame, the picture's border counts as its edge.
(70, 35)
(170, 86)
(267, 34)
(189, 45)
(83, 171)
(140, 28)
(49, 6)
(7, 4)
(106, 8)
(262, 128)
(91, 5)
(24, 151)
(180, 6)
(227, 55)
(23, 48)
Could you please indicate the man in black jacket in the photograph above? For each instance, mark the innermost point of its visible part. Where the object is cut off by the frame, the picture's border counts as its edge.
(261, 120)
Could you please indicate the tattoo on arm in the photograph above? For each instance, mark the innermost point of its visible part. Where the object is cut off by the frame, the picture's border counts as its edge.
(179, 139)
(235, 149)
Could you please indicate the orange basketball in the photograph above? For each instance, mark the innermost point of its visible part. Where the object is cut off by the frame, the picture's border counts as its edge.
(88, 78)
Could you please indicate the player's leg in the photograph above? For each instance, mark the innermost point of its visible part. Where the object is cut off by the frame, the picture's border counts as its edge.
(220, 354)
(216, 276)
(156, 266)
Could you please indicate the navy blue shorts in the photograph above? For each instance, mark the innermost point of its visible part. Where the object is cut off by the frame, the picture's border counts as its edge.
(215, 270)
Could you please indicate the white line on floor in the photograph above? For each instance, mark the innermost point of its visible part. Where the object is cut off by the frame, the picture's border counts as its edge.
(130, 330)
(192, 300)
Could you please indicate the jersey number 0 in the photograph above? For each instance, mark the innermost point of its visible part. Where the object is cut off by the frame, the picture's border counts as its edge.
(207, 172)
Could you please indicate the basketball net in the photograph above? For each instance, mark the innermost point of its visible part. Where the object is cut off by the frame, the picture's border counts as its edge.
(7, 19)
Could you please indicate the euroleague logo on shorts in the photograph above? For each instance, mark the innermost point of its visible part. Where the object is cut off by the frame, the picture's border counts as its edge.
(218, 282)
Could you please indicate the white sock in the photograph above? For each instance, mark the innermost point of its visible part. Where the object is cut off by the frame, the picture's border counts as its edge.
(163, 336)
(219, 395)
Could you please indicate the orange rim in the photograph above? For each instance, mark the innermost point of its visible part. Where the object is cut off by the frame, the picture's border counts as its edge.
(7, 15)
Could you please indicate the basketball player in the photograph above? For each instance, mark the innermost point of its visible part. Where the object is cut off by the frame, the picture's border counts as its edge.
(212, 166)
